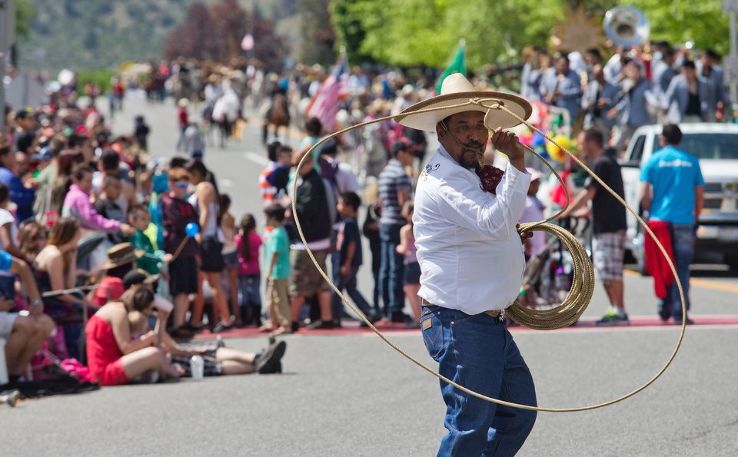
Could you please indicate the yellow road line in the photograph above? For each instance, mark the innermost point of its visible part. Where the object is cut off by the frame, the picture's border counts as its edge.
(701, 283)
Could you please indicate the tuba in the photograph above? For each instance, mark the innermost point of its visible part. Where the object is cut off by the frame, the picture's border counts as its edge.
(626, 26)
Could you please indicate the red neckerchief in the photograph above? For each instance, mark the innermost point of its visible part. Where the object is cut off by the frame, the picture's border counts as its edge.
(490, 177)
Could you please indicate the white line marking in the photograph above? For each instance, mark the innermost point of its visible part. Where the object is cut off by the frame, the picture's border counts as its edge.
(258, 158)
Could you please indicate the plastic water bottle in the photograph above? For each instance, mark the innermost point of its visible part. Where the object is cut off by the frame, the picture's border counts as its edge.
(197, 367)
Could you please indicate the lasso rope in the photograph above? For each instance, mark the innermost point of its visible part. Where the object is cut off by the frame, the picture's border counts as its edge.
(575, 302)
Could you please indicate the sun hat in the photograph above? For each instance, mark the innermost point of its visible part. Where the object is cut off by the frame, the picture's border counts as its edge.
(457, 89)
(121, 254)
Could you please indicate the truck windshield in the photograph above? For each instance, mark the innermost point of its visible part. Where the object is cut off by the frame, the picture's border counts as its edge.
(711, 146)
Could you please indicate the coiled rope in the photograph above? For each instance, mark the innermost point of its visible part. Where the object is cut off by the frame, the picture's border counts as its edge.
(575, 302)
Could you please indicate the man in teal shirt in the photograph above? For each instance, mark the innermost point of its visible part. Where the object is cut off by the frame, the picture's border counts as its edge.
(672, 191)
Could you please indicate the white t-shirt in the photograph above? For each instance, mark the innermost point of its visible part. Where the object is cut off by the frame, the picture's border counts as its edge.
(534, 213)
(7, 217)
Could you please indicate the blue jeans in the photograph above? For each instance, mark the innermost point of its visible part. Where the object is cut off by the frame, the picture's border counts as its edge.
(249, 298)
(390, 270)
(349, 284)
(479, 353)
(682, 243)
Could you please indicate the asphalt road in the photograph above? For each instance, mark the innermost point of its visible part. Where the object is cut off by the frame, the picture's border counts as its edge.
(349, 395)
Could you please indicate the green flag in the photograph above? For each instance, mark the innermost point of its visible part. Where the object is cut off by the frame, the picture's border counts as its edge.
(457, 65)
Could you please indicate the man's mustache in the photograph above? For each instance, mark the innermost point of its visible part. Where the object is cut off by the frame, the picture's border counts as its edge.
(474, 146)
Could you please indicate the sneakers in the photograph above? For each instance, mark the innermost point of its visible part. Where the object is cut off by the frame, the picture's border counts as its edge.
(400, 317)
(614, 316)
(270, 361)
(321, 325)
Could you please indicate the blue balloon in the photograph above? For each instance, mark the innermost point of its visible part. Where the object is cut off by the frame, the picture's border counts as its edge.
(192, 229)
(538, 140)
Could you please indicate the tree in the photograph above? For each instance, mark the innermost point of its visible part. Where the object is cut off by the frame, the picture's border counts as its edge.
(349, 30)
(425, 32)
(23, 17)
(215, 33)
(318, 38)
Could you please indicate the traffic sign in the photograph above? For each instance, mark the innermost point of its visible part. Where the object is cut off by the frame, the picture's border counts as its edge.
(730, 6)
(730, 67)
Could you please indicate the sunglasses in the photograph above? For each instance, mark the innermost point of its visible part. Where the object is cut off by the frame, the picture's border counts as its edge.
(182, 184)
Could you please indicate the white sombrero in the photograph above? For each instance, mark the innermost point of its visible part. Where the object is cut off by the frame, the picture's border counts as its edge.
(457, 89)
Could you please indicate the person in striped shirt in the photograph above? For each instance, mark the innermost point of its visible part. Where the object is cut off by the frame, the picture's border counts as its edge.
(394, 190)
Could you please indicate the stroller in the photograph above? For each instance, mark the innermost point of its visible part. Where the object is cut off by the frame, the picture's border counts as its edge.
(549, 274)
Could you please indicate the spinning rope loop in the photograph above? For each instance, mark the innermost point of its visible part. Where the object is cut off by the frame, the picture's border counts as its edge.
(560, 316)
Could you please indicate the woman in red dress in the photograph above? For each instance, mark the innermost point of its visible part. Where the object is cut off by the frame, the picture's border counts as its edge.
(113, 357)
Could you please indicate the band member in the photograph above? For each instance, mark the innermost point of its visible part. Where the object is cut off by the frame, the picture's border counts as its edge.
(471, 263)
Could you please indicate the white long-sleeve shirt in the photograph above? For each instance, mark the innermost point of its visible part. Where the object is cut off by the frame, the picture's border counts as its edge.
(470, 255)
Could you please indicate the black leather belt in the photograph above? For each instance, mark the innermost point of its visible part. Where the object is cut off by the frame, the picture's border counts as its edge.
(496, 313)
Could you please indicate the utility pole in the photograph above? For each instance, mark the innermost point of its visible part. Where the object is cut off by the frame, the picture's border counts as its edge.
(4, 46)
(731, 64)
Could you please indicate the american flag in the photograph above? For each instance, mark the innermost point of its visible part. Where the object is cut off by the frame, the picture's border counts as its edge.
(324, 105)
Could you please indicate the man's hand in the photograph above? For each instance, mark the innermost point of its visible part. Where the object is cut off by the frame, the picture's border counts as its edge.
(525, 236)
(507, 143)
(168, 258)
(345, 271)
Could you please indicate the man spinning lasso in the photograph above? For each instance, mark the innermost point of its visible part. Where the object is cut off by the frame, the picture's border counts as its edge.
(471, 263)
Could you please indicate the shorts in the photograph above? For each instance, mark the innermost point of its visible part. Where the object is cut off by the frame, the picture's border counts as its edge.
(183, 276)
(6, 261)
(7, 320)
(411, 273)
(609, 249)
(211, 256)
(114, 375)
(306, 280)
(230, 259)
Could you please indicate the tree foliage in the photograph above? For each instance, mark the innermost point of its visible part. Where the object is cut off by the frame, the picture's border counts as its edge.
(425, 32)
(23, 18)
(318, 38)
(215, 33)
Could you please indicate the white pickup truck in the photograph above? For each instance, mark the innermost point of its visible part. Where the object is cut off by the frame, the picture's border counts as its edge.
(716, 146)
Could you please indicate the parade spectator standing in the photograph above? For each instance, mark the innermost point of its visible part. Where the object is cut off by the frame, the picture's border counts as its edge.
(663, 71)
(411, 267)
(533, 212)
(689, 98)
(248, 243)
(23, 196)
(206, 201)
(25, 135)
(632, 109)
(349, 255)
(599, 97)
(311, 203)
(562, 87)
(278, 271)
(141, 131)
(708, 70)
(394, 191)
(608, 222)
(274, 178)
(230, 258)
(183, 275)
(672, 191)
